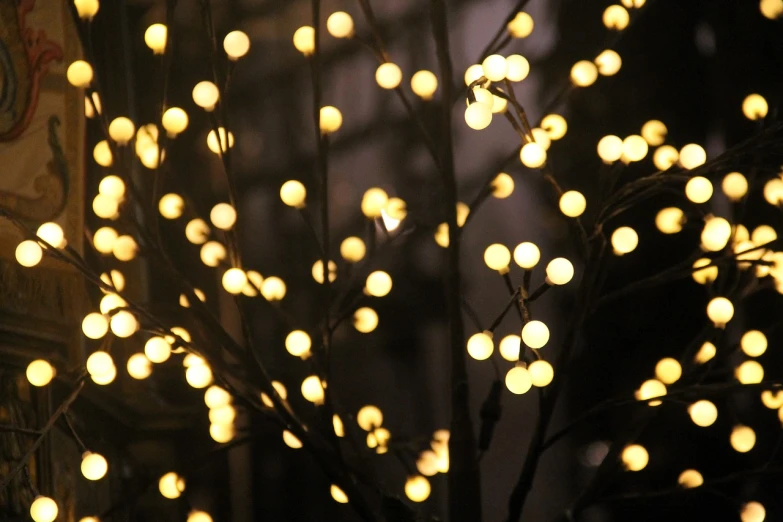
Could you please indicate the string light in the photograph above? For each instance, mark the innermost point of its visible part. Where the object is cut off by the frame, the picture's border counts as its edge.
(312, 390)
(480, 345)
(365, 320)
(559, 271)
(572, 203)
(369, 417)
(654, 132)
(668, 370)
(665, 157)
(608, 62)
(304, 40)
(541, 373)
(171, 485)
(704, 272)
(635, 457)
(584, 73)
(497, 257)
(610, 148)
(155, 37)
(698, 189)
(236, 44)
(340, 25)
(338, 495)
(753, 343)
(535, 334)
(424, 84)
(735, 186)
(521, 25)
(298, 343)
(378, 283)
(86, 9)
(281, 391)
(388, 75)
(205, 95)
(43, 509)
(749, 372)
(670, 220)
(703, 413)
(331, 120)
(517, 68)
(94, 466)
(624, 240)
(754, 107)
(139, 367)
(690, 478)
(753, 512)
(720, 311)
(692, 156)
(79, 74)
(533, 155)
(39, 373)
(509, 347)
(157, 349)
(417, 488)
(518, 380)
(616, 17)
(742, 438)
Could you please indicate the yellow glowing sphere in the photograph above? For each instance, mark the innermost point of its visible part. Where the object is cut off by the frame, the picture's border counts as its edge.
(559, 271)
(541, 373)
(478, 115)
(293, 193)
(40, 373)
(116, 280)
(495, 68)
(424, 84)
(111, 302)
(442, 235)
(313, 390)
(298, 343)
(541, 137)
(378, 283)
(555, 126)
(175, 121)
(338, 495)
(396, 209)
(197, 231)
(124, 248)
(236, 44)
(388, 75)
(304, 40)
(155, 37)
(651, 389)
(199, 375)
(226, 140)
(572, 203)
(670, 220)
(103, 379)
(281, 391)
(95, 325)
(473, 73)
(698, 189)
(634, 148)
(157, 349)
(772, 400)
(706, 352)
(584, 73)
(518, 380)
(365, 320)
(221, 433)
(749, 372)
(112, 186)
(99, 363)
(369, 418)
(205, 95)
(763, 234)
(374, 201)
(86, 9)
(212, 253)
(171, 485)
(509, 347)
(527, 255)
(222, 415)
(497, 257)
(665, 157)
(121, 130)
(610, 148)
(124, 324)
(171, 206)
(720, 311)
(353, 249)
(654, 132)
(199, 516)
(703, 413)
(754, 107)
(378, 439)
(692, 156)
(704, 272)
(480, 346)
(234, 280)
(521, 25)
(427, 463)
(79, 74)
(29, 253)
(616, 17)
(690, 478)
(635, 457)
(105, 206)
(273, 288)
(608, 62)
(340, 25)
(151, 156)
(742, 438)
(51, 233)
(535, 334)
(318, 271)
(94, 466)
(43, 509)
(517, 68)
(331, 120)
(753, 511)
(417, 488)
(735, 186)
(101, 153)
(668, 370)
(753, 343)
(624, 240)
(502, 186)
(716, 234)
(533, 155)
(771, 9)
(633, 3)
(223, 216)
(337, 424)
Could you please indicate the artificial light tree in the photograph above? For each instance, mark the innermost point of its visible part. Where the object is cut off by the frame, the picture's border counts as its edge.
(729, 258)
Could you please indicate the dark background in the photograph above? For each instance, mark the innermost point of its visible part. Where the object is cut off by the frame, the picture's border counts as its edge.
(687, 63)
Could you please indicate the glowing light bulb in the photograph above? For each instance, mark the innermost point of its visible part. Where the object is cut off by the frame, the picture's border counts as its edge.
(212, 253)
(527, 255)
(101, 153)
(535, 334)
(353, 249)
(518, 380)
(39, 373)
(313, 390)
(480, 346)
(155, 37)
(509, 347)
(205, 95)
(79, 74)
(690, 478)
(616, 17)
(338, 495)
(669, 220)
(221, 433)
(417, 488)
(572, 203)
(28, 253)
(634, 148)
(223, 216)
(369, 418)
(199, 375)
(770, 9)
(298, 343)
(584, 73)
(378, 283)
(374, 201)
(773, 191)
(668, 370)
(720, 311)
(236, 44)
(610, 148)
(43, 509)
(608, 62)
(318, 271)
(706, 352)
(331, 120)
(95, 325)
(175, 121)
(273, 289)
(497, 257)
(517, 68)
(340, 25)
(635, 457)
(199, 516)
(742, 438)
(532, 155)
(104, 239)
(365, 320)
(222, 415)
(124, 324)
(495, 68)
(624, 240)
(692, 156)
(424, 84)
(749, 372)
(94, 466)
(86, 9)
(541, 373)
(772, 399)
(197, 231)
(703, 413)
(171, 206)
(665, 157)
(559, 271)
(753, 343)
(171, 485)
(704, 272)
(754, 107)
(304, 40)
(698, 189)
(124, 248)
(654, 132)
(716, 234)
(502, 186)
(234, 280)
(220, 146)
(751, 512)
(157, 349)
(99, 363)
(388, 75)
(651, 389)
(478, 115)
(521, 25)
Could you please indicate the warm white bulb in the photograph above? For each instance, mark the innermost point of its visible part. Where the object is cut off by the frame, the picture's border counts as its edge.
(157, 349)
(478, 115)
(236, 44)
(754, 107)
(331, 119)
(521, 25)
(94, 466)
(388, 75)
(171, 206)
(298, 343)
(720, 311)
(424, 84)
(223, 216)
(535, 334)
(378, 283)
(497, 257)
(155, 37)
(572, 203)
(584, 73)
(29, 253)
(79, 74)
(692, 156)
(559, 271)
(313, 390)
(205, 95)
(533, 155)
(43, 509)
(40, 372)
(417, 488)
(610, 148)
(480, 346)
(175, 121)
(518, 380)
(304, 40)
(340, 25)
(541, 373)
